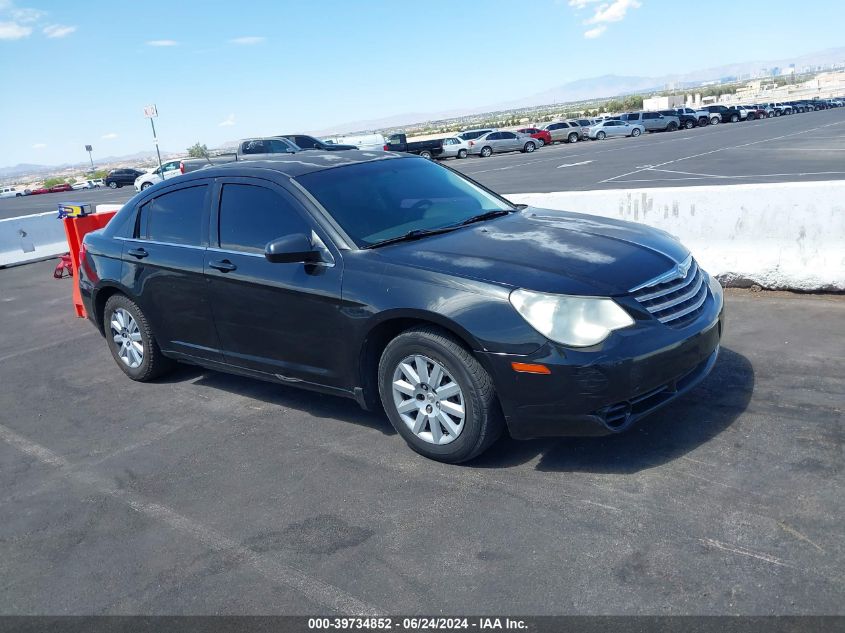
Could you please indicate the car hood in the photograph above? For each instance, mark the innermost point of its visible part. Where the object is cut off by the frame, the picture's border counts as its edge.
(547, 251)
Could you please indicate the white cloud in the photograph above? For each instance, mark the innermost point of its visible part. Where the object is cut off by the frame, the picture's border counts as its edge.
(613, 12)
(13, 31)
(109, 136)
(39, 146)
(580, 4)
(228, 121)
(58, 30)
(594, 33)
(162, 43)
(248, 40)
(27, 16)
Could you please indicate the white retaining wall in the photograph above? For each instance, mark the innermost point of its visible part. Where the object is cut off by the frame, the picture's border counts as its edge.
(779, 236)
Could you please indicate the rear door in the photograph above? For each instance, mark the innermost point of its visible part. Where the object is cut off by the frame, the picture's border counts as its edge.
(279, 319)
(164, 264)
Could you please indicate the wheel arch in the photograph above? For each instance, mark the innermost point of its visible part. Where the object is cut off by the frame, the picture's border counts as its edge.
(388, 327)
(101, 296)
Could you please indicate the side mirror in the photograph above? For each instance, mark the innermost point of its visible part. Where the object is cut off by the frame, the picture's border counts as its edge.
(295, 248)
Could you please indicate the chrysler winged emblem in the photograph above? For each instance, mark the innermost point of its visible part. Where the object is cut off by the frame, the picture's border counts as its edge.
(683, 268)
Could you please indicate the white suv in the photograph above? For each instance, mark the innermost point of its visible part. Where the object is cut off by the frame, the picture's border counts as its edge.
(10, 192)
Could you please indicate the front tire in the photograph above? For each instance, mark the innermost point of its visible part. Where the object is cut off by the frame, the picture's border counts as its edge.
(601, 136)
(131, 341)
(146, 185)
(688, 125)
(437, 396)
(734, 118)
(715, 121)
(541, 142)
(672, 126)
(635, 132)
(425, 154)
(112, 185)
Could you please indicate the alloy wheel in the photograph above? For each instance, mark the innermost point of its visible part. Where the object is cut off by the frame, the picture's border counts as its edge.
(127, 337)
(428, 399)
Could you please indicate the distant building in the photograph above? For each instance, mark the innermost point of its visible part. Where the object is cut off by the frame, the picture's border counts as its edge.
(663, 103)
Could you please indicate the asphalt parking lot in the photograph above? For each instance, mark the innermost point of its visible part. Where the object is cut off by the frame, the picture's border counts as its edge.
(795, 148)
(27, 205)
(208, 493)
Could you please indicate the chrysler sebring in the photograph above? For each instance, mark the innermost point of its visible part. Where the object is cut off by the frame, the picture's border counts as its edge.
(407, 287)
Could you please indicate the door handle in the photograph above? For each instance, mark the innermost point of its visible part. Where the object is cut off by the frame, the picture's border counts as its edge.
(140, 253)
(224, 266)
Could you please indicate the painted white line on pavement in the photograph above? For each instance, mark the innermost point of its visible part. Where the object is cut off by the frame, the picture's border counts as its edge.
(583, 162)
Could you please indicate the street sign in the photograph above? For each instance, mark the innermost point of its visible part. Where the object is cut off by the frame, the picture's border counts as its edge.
(150, 111)
(88, 148)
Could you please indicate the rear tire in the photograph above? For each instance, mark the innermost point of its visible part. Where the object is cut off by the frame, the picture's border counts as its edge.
(425, 154)
(126, 329)
(702, 121)
(734, 118)
(715, 120)
(469, 383)
(672, 126)
(688, 125)
(601, 136)
(113, 185)
(486, 152)
(462, 153)
(541, 142)
(572, 138)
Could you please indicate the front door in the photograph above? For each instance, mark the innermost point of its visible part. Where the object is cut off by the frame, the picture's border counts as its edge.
(279, 319)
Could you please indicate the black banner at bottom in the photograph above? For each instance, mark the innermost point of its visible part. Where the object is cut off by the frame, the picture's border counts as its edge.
(539, 624)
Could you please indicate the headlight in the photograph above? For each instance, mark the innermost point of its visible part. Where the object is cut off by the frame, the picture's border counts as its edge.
(572, 321)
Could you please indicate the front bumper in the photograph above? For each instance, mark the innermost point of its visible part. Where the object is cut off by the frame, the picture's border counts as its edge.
(592, 393)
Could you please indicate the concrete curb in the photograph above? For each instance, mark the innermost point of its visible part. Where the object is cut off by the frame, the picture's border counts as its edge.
(786, 236)
(31, 238)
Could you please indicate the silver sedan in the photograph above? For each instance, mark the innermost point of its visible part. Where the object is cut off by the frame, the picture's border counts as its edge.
(613, 127)
(454, 147)
(492, 142)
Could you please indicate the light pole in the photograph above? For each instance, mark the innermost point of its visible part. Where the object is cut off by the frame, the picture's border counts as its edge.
(89, 149)
(151, 112)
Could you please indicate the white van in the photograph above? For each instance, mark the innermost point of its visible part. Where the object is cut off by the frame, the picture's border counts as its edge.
(361, 141)
(10, 192)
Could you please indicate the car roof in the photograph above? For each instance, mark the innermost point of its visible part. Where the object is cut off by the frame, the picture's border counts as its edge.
(301, 163)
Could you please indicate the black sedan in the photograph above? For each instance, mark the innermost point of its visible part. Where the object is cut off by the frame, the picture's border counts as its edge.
(399, 283)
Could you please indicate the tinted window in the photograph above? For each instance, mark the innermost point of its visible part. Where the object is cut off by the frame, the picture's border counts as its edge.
(278, 146)
(251, 216)
(305, 142)
(508, 135)
(175, 217)
(494, 136)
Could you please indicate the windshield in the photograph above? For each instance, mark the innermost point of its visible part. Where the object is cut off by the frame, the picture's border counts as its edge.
(383, 199)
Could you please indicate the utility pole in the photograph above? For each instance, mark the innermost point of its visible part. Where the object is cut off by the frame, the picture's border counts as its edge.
(89, 149)
(151, 112)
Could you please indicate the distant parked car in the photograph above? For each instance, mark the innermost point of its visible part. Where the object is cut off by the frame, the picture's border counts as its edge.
(11, 192)
(564, 132)
(686, 121)
(88, 184)
(170, 169)
(755, 112)
(543, 137)
(427, 149)
(39, 191)
(652, 121)
(454, 147)
(373, 141)
(471, 135)
(722, 114)
(120, 177)
(63, 186)
(494, 142)
(614, 127)
(309, 142)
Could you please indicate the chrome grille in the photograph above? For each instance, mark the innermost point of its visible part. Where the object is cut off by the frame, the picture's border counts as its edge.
(677, 296)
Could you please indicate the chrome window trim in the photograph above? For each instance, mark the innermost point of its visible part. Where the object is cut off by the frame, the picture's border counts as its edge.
(157, 243)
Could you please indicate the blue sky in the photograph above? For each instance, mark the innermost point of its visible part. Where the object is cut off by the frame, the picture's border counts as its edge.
(80, 72)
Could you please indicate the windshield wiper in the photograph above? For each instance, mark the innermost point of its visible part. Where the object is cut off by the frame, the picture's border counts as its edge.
(412, 235)
(487, 215)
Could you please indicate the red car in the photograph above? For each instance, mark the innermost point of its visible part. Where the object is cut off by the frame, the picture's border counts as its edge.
(544, 136)
(61, 187)
(35, 192)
